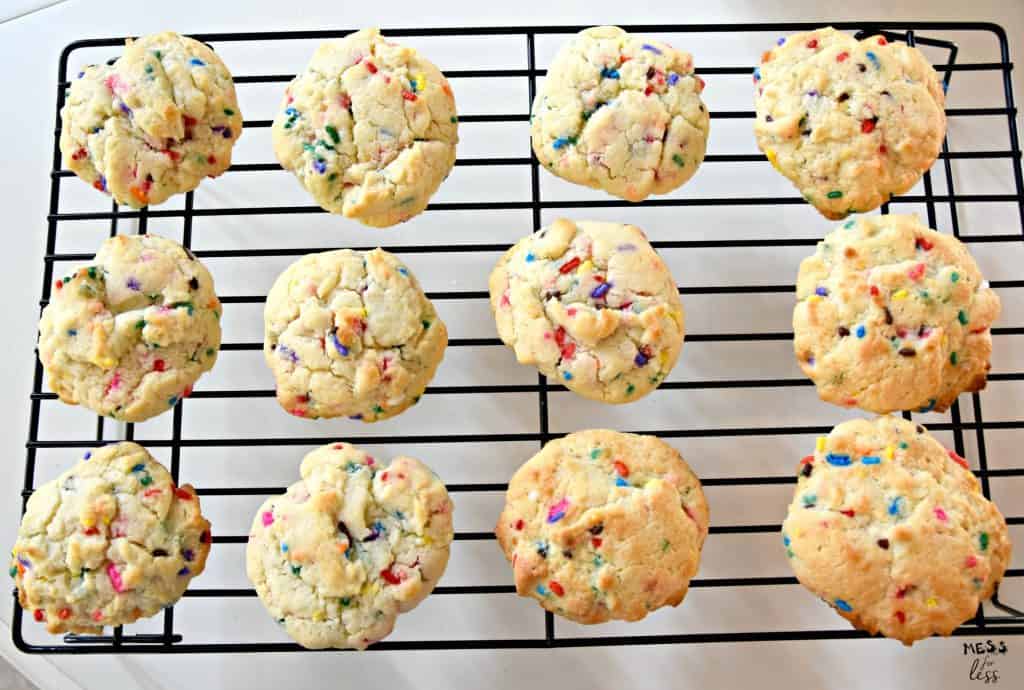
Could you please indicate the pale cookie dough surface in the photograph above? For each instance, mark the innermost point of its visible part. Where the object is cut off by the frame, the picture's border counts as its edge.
(849, 122)
(892, 530)
(591, 305)
(351, 334)
(350, 546)
(620, 113)
(369, 129)
(108, 542)
(891, 315)
(153, 124)
(128, 335)
(601, 525)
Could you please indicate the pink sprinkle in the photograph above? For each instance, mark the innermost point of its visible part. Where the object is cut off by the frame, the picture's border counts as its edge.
(557, 511)
(369, 461)
(115, 578)
(941, 515)
(970, 562)
(268, 518)
(689, 513)
(916, 272)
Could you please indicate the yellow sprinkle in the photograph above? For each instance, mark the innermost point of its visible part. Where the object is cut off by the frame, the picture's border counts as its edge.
(945, 341)
(821, 443)
(362, 312)
(770, 153)
(88, 522)
(931, 602)
(899, 294)
(814, 298)
(319, 616)
(106, 519)
(889, 452)
(421, 81)
(663, 357)
(586, 267)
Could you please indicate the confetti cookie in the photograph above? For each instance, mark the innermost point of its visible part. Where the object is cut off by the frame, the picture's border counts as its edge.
(849, 123)
(128, 335)
(108, 542)
(601, 525)
(620, 113)
(369, 129)
(350, 546)
(891, 315)
(591, 305)
(153, 124)
(892, 530)
(351, 334)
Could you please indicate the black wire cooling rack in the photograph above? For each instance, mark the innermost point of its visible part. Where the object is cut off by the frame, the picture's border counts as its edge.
(1009, 621)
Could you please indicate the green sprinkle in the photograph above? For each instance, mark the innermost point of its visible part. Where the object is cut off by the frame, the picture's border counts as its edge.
(595, 454)
(149, 69)
(664, 545)
(296, 569)
(378, 409)
(904, 445)
(92, 272)
(849, 224)
(954, 276)
(308, 147)
(454, 119)
(146, 481)
(426, 324)
(158, 54)
(835, 194)
(13, 571)
(139, 325)
(229, 112)
(953, 358)
(186, 305)
(333, 133)
(630, 388)
(678, 160)
(983, 541)
(209, 351)
(345, 601)
(962, 317)
(332, 177)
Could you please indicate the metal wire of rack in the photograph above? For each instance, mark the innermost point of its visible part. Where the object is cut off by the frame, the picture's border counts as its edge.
(1010, 621)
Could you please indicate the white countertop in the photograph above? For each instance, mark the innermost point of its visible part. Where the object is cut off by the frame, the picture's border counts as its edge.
(30, 42)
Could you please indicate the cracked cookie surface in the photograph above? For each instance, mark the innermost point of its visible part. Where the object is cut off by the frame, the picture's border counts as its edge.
(350, 333)
(892, 530)
(350, 546)
(369, 128)
(892, 315)
(620, 113)
(128, 335)
(153, 124)
(108, 542)
(849, 122)
(602, 525)
(593, 306)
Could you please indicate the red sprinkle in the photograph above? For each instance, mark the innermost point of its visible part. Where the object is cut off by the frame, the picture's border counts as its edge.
(842, 56)
(874, 291)
(409, 96)
(59, 284)
(97, 615)
(812, 44)
(917, 272)
(79, 155)
(568, 350)
(971, 562)
(901, 592)
(882, 41)
(847, 513)
(569, 265)
(922, 243)
(389, 576)
(64, 614)
(649, 90)
(189, 120)
(624, 58)
(38, 615)
(151, 492)
(620, 468)
(807, 460)
(867, 126)
(556, 588)
(958, 460)
(384, 476)
(183, 494)
(98, 185)
(519, 524)
(901, 617)
(595, 542)
(158, 365)
(699, 81)
(173, 155)
(372, 67)
(211, 159)
(91, 531)
(883, 150)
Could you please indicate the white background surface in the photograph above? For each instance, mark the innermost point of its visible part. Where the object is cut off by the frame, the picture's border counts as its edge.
(30, 46)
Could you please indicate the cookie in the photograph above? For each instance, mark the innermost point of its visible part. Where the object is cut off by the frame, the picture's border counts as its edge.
(891, 315)
(351, 333)
(601, 525)
(154, 123)
(108, 542)
(350, 546)
(593, 306)
(620, 113)
(892, 530)
(849, 122)
(128, 335)
(369, 129)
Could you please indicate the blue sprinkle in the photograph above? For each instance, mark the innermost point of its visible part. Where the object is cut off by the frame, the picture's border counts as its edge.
(320, 166)
(291, 111)
(81, 74)
(874, 60)
(648, 46)
(342, 350)
(183, 571)
(757, 74)
(929, 407)
(560, 142)
(780, 41)
(356, 416)
(672, 78)
(821, 292)
(284, 548)
(188, 554)
(172, 401)
(841, 603)
(88, 454)
(785, 540)
(287, 353)
(125, 109)
(530, 258)
(838, 459)
(138, 468)
(403, 270)
(601, 290)
(641, 359)
(945, 87)
(133, 284)
(619, 481)
(541, 591)
(103, 182)
(567, 376)
(72, 332)
(810, 361)
(871, 460)
(861, 331)
(608, 73)
(196, 62)
(896, 505)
